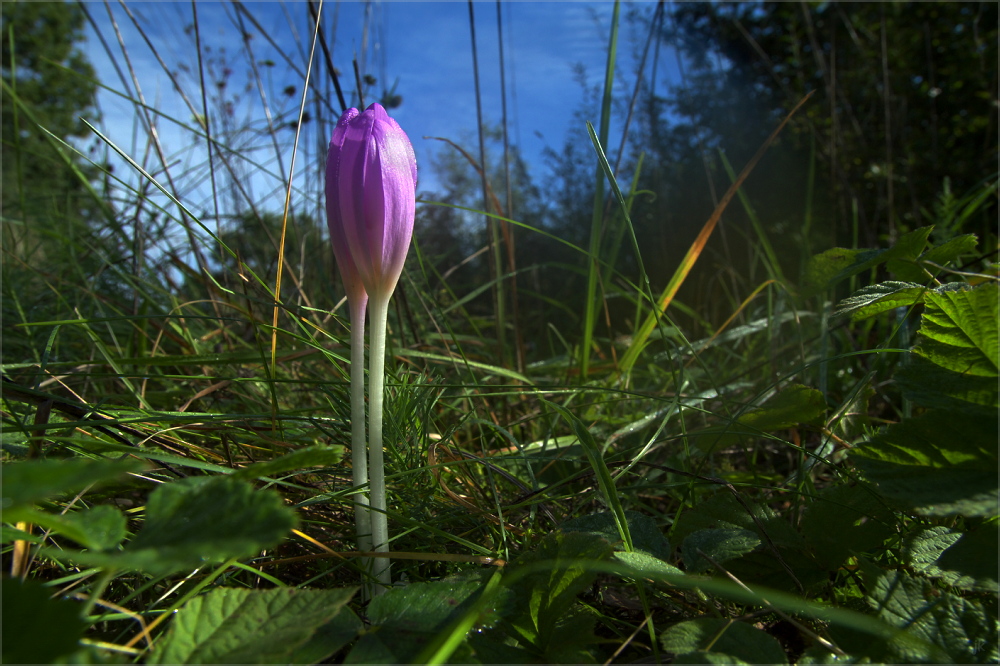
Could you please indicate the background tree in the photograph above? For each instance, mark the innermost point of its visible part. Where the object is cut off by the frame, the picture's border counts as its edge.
(54, 86)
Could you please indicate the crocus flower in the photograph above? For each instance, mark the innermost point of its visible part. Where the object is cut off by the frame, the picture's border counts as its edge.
(371, 179)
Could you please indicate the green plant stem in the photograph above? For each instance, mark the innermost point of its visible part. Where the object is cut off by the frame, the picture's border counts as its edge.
(379, 312)
(359, 448)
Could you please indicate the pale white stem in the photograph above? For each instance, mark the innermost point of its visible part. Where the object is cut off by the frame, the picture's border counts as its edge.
(379, 311)
(359, 452)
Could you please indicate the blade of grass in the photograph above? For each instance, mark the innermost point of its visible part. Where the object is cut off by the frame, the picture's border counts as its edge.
(694, 252)
(597, 222)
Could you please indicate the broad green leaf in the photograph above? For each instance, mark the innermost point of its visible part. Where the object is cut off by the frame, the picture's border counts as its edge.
(845, 520)
(817, 654)
(947, 252)
(959, 331)
(707, 658)
(313, 456)
(723, 511)
(938, 463)
(196, 521)
(239, 626)
(955, 630)
(405, 620)
(645, 564)
(8, 534)
(36, 628)
(99, 528)
(828, 268)
(543, 600)
(794, 405)
(728, 637)
(720, 544)
(929, 385)
(923, 549)
(646, 535)
(878, 298)
(975, 556)
(24, 483)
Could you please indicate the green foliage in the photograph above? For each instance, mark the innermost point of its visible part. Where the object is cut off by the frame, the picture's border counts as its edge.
(714, 641)
(28, 482)
(406, 620)
(36, 628)
(941, 462)
(235, 626)
(197, 521)
(544, 617)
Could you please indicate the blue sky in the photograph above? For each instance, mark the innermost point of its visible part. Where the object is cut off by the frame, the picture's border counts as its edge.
(426, 46)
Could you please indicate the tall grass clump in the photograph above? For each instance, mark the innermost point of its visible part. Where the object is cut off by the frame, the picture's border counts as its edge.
(755, 442)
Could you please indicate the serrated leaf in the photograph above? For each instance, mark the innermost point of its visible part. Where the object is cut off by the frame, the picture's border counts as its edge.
(36, 628)
(955, 630)
(878, 298)
(828, 268)
(726, 637)
(313, 456)
(960, 330)
(646, 535)
(405, 620)
(923, 548)
(24, 483)
(938, 463)
(197, 521)
(722, 510)
(238, 626)
(720, 544)
(543, 600)
(843, 520)
(947, 252)
(975, 556)
(930, 385)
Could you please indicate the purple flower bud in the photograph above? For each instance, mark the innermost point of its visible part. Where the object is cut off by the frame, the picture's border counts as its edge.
(371, 180)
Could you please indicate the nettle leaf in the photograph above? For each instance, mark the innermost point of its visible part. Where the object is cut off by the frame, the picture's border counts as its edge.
(959, 331)
(238, 626)
(720, 544)
(929, 385)
(826, 269)
(722, 510)
(878, 298)
(793, 405)
(949, 251)
(196, 521)
(698, 641)
(938, 463)
(971, 567)
(312, 456)
(405, 620)
(36, 628)
(646, 535)
(975, 556)
(845, 520)
(24, 483)
(938, 626)
(544, 618)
